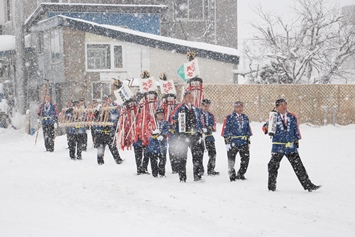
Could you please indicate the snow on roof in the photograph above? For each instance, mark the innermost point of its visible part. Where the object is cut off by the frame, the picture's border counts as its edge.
(7, 42)
(198, 45)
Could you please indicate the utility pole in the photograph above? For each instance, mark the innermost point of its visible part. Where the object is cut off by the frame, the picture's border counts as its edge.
(20, 79)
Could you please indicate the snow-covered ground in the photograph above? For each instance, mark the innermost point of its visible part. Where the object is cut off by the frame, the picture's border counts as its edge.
(47, 194)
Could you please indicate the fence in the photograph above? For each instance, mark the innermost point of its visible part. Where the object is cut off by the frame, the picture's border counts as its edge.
(314, 104)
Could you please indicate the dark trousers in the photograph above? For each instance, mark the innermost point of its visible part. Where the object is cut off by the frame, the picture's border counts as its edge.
(297, 165)
(48, 135)
(101, 141)
(211, 150)
(85, 141)
(195, 143)
(244, 159)
(142, 158)
(92, 130)
(173, 157)
(157, 162)
(75, 142)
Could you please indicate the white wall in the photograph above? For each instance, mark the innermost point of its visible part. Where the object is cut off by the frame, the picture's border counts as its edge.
(212, 72)
(138, 58)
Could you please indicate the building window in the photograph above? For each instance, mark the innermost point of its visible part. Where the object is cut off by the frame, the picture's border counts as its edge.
(104, 56)
(117, 53)
(190, 9)
(8, 10)
(55, 46)
(40, 42)
(100, 89)
(98, 56)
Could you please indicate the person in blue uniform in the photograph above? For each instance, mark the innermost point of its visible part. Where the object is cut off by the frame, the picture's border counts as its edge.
(48, 117)
(209, 126)
(75, 134)
(285, 142)
(158, 145)
(236, 132)
(82, 105)
(105, 134)
(189, 135)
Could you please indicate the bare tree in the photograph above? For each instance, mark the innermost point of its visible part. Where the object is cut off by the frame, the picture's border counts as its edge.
(311, 49)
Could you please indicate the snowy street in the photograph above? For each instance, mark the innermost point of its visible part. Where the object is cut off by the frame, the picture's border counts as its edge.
(47, 194)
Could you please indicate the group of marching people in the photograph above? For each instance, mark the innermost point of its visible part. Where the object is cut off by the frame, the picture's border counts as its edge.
(102, 134)
(157, 128)
(77, 137)
(188, 126)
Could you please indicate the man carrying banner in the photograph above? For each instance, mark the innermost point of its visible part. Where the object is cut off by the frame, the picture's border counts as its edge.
(285, 143)
(186, 119)
(139, 147)
(168, 103)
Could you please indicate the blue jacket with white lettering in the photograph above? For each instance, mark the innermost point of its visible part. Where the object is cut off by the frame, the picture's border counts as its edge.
(193, 121)
(48, 112)
(236, 130)
(208, 122)
(286, 134)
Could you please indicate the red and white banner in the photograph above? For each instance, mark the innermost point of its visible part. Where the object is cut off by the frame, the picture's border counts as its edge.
(148, 85)
(167, 87)
(191, 69)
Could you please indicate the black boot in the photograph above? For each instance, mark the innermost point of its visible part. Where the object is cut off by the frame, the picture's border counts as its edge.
(313, 187)
(100, 160)
(118, 161)
(232, 175)
(213, 173)
(273, 189)
(240, 176)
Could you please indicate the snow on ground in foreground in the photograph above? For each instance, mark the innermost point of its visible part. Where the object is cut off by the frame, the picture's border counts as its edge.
(47, 194)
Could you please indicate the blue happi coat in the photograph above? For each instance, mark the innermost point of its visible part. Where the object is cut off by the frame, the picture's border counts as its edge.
(113, 117)
(156, 146)
(236, 129)
(195, 127)
(208, 122)
(49, 113)
(75, 129)
(286, 134)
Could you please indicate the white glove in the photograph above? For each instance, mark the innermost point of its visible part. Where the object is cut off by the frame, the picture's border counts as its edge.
(55, 125)
(156, 131)
(98, 107)
(228, 147)
(204, 130)
(160, 138)
(38, 121)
